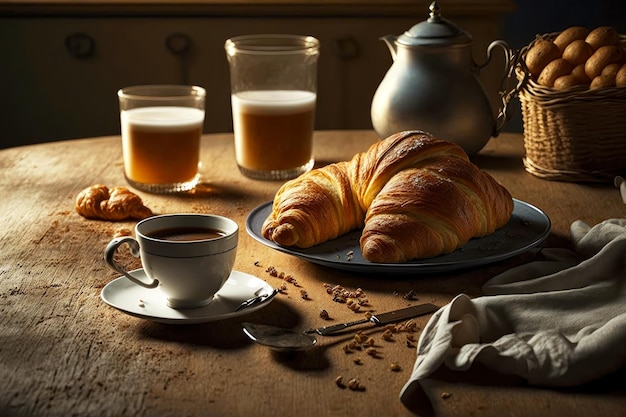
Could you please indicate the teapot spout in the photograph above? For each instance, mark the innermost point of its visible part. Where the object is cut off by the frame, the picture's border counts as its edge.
(390, 41)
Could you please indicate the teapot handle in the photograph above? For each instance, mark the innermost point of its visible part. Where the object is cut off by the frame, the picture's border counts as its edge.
(512, 58)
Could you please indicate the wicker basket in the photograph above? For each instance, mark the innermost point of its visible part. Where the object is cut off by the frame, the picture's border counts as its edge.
(575, 134)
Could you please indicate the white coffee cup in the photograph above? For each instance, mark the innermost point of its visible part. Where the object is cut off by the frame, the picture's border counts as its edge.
(189, 257)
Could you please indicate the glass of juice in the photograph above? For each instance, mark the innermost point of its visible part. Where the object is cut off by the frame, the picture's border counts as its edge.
(273, 96)
(161, 133)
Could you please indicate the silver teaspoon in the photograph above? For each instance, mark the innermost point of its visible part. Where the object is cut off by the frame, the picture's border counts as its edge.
(257, 300)
(280, 339)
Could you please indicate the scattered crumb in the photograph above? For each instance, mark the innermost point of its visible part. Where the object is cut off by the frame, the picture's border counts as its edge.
(411, 296)
(273, 272)
(445, 395)
(388, 335)
(395, 367)
(355, 385)
(409, 326)
(372, 352)
(354, 300)
(324, 315)
(123, 231)
(360, 337)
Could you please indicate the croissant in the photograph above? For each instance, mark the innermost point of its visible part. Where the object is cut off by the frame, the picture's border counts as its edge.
(414, 195)
(118, 203)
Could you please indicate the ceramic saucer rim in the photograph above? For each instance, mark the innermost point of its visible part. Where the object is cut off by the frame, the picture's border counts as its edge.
(149, 304)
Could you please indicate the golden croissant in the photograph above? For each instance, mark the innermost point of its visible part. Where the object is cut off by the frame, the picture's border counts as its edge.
(118, 203)
(414, 195)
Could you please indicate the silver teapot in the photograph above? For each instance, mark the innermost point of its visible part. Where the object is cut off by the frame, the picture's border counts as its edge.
(433, 85)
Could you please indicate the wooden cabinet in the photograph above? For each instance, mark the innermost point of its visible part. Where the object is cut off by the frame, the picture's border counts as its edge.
(61, 67)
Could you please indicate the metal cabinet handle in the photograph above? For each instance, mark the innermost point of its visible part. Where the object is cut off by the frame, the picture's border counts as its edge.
(178, 43)
(347, 48)
(80, 45)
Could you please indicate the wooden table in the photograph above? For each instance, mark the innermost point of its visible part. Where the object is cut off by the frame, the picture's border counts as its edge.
(64, 352)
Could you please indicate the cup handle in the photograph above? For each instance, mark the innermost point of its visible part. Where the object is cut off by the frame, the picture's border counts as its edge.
(109, 253)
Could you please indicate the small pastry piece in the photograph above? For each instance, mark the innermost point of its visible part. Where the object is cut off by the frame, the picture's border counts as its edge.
(620, 77)
(569, 35)
(118, 203)
(552, 71)
(578, 52)
(601, 58)
(602, 36)
(541, 54)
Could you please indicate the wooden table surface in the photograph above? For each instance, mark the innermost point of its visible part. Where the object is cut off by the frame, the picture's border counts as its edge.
(63, 351)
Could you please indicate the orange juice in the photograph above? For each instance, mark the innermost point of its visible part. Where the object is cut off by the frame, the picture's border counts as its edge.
(273, 129)
(161, 144)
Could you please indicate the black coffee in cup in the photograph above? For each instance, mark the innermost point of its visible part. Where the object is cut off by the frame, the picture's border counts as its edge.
(186, 234)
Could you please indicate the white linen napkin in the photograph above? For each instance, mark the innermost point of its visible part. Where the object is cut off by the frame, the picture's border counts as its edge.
(557, 322)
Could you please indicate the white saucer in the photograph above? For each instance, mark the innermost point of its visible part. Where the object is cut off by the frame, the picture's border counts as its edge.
(150, 304)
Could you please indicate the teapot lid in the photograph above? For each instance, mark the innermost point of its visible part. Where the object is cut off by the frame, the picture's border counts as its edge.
(436, 31)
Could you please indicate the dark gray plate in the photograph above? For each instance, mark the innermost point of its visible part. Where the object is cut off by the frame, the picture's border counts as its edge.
(527, 228)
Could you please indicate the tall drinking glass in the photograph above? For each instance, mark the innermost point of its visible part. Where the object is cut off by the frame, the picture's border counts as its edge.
(273, 96)
(161, 132)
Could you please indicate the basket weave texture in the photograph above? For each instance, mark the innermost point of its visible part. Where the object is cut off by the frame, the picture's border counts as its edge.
(575, 134)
